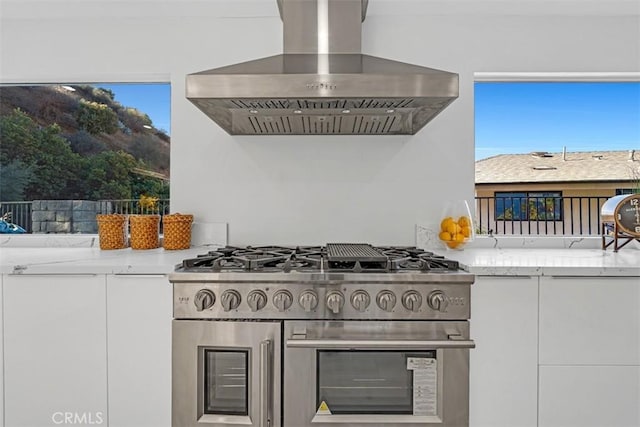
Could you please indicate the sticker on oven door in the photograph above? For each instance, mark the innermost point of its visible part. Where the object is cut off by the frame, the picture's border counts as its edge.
(425, 385)
(323, 409)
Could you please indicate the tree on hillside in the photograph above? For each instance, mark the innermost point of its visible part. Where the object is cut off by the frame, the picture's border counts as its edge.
(19, 138)
(14, 177)
(41, 154)
(96, 118)
(108, 175)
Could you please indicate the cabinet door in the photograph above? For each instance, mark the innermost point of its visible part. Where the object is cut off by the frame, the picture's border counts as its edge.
(1, 356)
(504, 364)
(139, 313)
(589, 396)
(590, 321)
(54, 350)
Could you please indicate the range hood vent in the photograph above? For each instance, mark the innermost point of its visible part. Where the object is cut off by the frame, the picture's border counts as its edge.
(322, 84)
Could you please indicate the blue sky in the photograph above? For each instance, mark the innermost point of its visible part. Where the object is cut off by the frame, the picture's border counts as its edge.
(154, 99)
(523, 117)
(509, 117)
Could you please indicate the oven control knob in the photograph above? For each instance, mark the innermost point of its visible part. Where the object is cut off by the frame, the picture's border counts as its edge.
(335, 301)
(386, 300)
(282, 299)
(360, 300)
(308, 300)
(411, 300)
(437, 300)
(204, 299)
(230, 300)
(256, 300)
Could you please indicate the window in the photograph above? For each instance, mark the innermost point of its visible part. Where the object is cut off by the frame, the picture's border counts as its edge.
(621, 191)
(569, 129)
(70, 151)
(528, 206)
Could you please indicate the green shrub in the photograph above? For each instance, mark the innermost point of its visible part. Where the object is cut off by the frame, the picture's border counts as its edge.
(96, 118)
(134, 119)
(82, 142)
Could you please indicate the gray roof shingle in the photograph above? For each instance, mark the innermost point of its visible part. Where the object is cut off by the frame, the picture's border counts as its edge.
(550, 167)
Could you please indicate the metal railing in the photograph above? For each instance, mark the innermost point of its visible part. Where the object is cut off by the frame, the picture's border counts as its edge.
(133, 207)
(20, 213)
(494, 215)
(544, 215)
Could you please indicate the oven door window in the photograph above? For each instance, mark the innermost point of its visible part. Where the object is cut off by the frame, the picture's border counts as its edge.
(374, 382)
(225, 382)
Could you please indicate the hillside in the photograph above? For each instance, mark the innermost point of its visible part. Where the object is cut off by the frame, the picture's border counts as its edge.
(60, 142)
(51, 104)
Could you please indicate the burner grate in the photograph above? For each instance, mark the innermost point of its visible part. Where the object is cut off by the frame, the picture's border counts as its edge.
(335, 257)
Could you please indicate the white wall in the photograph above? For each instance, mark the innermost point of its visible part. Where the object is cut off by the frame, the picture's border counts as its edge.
(310, 190)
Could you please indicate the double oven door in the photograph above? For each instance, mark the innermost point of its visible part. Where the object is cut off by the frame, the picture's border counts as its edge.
(226, 374)
(320, 373)
(376, 373)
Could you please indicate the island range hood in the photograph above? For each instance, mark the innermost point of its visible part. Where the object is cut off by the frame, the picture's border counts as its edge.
(322, 84)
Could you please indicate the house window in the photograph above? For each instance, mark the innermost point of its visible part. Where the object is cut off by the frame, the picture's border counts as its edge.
(528, 206)
(621, 191)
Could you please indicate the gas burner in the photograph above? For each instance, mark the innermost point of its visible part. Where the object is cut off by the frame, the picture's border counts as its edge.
(304, 263)
(345, 258)
(409, 264)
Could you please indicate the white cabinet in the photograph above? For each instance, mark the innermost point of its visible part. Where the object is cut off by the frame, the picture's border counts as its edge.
(139, 313)
(589, 396)
(504, 364)
(589, 352)
(55, 368)
(1, 358)
(589, 321)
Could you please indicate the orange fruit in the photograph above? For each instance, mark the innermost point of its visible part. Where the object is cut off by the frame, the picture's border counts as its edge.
(459, 237)
(444, 225)
(464, 221)
(453, 228)
(453, 245)
(444, 236)
(466, 231)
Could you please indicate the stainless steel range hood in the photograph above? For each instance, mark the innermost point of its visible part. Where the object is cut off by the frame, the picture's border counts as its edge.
(322, 84)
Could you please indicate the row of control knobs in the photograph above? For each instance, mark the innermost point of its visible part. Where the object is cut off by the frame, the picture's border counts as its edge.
(308, 300)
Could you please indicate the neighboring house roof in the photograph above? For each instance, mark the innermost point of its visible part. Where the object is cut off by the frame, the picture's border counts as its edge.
(550, 167)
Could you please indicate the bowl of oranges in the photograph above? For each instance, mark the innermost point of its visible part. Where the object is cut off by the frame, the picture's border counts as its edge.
(456, 227)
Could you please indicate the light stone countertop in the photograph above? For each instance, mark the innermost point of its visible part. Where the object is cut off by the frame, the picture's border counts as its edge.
(548, 262)
(484, 257)
(92, 260)
(520, 255)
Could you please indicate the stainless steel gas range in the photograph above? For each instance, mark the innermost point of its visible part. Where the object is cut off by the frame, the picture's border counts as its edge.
(341, 335)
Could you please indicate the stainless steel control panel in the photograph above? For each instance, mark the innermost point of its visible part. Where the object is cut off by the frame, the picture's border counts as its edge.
(219, 300)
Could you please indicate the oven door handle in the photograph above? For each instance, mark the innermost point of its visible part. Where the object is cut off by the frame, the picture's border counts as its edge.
(380, 344)
(265, 384)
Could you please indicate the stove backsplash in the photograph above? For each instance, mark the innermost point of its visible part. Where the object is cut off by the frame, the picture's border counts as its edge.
(284, 191)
